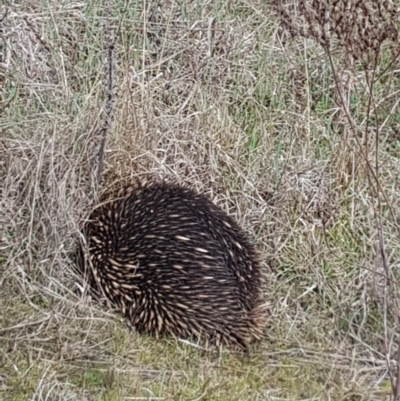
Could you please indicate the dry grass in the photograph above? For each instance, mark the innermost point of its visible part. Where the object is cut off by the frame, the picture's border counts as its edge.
(240, 112)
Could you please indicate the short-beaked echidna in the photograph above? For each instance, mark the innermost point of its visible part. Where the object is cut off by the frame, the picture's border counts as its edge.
(175, 263)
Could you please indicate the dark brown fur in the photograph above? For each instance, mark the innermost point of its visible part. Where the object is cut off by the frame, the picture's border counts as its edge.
(174, 263)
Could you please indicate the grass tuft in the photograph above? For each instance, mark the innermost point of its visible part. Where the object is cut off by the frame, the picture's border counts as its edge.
(280, 131)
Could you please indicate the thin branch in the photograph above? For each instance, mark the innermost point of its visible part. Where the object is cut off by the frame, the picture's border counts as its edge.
(108, 108)
(107, 111)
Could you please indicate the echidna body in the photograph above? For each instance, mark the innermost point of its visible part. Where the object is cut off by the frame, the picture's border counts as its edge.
(174, 263)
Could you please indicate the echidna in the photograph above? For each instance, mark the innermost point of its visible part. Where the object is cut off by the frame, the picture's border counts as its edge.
(175, 263)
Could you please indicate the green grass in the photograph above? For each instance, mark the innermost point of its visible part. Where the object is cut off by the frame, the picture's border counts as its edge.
(256, 126)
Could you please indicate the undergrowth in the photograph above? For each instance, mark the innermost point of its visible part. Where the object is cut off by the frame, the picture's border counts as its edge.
(285, 113)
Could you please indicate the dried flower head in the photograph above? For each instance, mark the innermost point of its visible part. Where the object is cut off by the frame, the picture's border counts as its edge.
(357, 27)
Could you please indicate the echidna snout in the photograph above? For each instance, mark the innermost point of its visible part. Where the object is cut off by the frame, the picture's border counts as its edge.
(174, 263)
